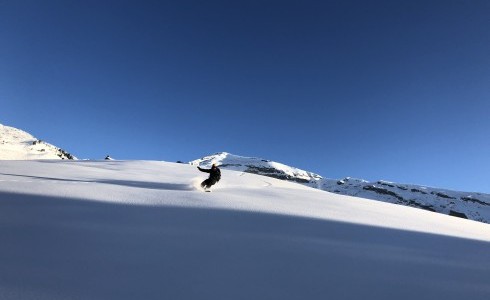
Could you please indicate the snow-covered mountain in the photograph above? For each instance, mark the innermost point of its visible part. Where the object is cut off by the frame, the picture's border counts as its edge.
(16, 144)
(142, 230)
(256, 166)
(474, 206)
(468, 205)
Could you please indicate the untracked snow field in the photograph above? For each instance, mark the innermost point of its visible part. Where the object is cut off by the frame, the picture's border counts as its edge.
(142, 230)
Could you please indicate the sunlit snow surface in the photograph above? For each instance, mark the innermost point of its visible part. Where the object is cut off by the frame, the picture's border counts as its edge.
(142, 230)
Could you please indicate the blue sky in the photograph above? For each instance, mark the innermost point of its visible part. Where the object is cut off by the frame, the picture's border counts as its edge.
(394, 90)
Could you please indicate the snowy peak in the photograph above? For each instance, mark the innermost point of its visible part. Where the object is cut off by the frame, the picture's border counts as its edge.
(256, 166)
(473, 206)
(16, 144)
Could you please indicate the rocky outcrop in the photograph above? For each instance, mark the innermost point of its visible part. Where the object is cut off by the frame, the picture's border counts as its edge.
(382, 191)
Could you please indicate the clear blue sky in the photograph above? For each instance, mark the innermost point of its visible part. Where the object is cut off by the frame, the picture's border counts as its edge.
(394, 90)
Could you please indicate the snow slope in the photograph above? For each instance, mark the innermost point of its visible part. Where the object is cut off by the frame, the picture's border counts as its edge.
(16, 144)
(141, 230)
(473, 206)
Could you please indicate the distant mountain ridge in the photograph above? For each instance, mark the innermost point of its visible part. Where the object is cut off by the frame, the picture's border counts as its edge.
(473, 206)
(16, 144)
(257, 166)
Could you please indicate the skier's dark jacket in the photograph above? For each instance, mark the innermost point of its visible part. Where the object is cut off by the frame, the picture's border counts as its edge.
(214, 174)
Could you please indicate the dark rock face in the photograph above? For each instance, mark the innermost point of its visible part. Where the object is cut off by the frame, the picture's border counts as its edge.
(457, 214)
(471, 199)
(418, 191)
(382, 191)
(64, 155)
(385, 184)
(442, 195)
(418, 205)
(411, 203)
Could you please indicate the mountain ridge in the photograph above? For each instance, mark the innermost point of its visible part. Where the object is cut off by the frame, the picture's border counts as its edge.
(469, 205)
(16, 144)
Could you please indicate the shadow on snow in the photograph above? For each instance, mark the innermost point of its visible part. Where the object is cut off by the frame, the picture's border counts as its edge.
(57, 248)
(129, 183)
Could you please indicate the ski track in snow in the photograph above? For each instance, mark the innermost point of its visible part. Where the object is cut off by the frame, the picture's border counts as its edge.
(46, 181)
(267, 184)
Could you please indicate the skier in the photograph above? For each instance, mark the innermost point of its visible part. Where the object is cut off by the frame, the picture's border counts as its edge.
(214, 176)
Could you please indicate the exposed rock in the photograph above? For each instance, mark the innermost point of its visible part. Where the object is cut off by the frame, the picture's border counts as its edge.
(385, 184)
(418, 205)
(418, 191)
(457, 214)
(382, 191)
(474, 200)
(442, 195)
(274, 173)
